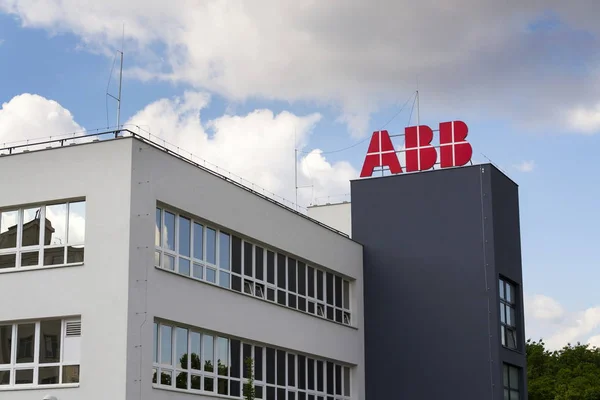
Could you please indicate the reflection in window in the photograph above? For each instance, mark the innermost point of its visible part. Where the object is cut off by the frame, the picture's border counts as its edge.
(169, 231)
(224, 249)
(184, 236)
(158, 227)
(286, 373)
(218, 257)
(31, 353)
(181, 345)
(62, 234)
(211, 246)
(165, 345)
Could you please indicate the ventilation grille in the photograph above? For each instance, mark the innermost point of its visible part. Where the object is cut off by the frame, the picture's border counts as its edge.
(73, 328)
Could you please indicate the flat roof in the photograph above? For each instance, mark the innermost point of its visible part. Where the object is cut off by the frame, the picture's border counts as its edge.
(25, 147)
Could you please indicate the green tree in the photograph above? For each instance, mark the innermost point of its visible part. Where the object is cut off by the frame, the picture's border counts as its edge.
(249, 389)
(571, 373)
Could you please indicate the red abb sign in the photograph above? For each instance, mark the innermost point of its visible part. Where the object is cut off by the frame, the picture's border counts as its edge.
(421, 155)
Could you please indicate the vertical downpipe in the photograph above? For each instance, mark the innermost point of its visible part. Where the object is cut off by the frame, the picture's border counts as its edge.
(487, 286)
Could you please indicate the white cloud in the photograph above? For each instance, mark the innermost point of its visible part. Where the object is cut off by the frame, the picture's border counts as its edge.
(525, 166)
(30, 116)
(544, 308)
(468, 55)
(258, 146)
(585, 120)
(594, 341)
(547, 319)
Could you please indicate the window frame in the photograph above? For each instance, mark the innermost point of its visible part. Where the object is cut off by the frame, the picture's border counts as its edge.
(508, 307)
(41, 248)
(250, 285)
(36, 365)
(260, 380)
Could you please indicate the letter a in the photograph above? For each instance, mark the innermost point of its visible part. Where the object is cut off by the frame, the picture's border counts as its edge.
(381, 153)
(455, 151)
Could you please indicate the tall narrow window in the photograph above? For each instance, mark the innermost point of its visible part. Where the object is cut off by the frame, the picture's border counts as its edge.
(508, 324)
(511, 379)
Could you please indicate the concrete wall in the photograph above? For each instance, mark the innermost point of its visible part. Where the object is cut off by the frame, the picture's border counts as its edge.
(96, 290)
(154, 293)
(337, 216)
(431, 292)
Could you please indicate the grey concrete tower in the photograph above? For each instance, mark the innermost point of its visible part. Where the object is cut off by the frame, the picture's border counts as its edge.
(437, 244)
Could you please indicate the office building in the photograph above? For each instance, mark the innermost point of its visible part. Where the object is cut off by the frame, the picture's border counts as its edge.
(129, 272)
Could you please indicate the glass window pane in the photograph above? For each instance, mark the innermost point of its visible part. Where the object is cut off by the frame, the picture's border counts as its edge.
(198, 244)
(211, 275)
(155, 342)
(223, 387)
(258, 363)
(48, 375)
(75, 254)
(23, 376)
(197, 272)
(181, 348)
(223, 356)
(8, 261)
(506, 394)
(509, 294)
(291, 370)
(236, 364)
(510, 316)
(184, 267)
(281, 271)
(208, 353)
(259, 264)
(184, 236)
(211, 246)
(31, 258)
(76, 232)
(25, 343)
(248, 259)
(8, 229)
(281, 368)
(169, 262)
(346, 381)
(346, 295)
(30, 236)
(329, 287)
(169, 231)
(5, 343)
(224, 280)
(505, 374)
(165, 345)
(338, 291)
(514, 378)
(503, 335)
(195, 382)
(270, 365)
(166, 378)
(501, 287)
(54, 256)
(157, 227)
(181, 380)
(224, 249)
(195, 346)
(157, 258)
(514, 395)
(50, 335)
(70, 374)
(511, 339)
(502, 313)
(55, 232)
(209, 385)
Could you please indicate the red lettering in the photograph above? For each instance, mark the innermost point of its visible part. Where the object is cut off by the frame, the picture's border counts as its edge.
(381, 153)
(455, 151)
(420, 154)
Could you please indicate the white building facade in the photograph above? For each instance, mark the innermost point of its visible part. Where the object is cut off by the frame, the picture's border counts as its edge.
(153, 278)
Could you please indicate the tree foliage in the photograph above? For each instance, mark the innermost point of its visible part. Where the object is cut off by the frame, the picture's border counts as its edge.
(571, 373)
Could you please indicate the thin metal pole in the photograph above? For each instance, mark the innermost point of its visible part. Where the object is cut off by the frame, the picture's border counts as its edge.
(119, 98)
(418, 109)
(296, 168)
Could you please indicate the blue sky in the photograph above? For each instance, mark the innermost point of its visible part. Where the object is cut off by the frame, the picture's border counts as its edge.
(524, 79)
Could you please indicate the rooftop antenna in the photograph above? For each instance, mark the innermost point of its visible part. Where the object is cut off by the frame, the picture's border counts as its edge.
(296, 171)
(118, 98)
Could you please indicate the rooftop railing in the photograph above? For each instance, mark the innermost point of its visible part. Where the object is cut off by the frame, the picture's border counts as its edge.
(83, 137)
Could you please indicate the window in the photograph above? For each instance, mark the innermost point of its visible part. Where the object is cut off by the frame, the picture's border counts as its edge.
(190, 355)
(192, 248)
(507, 315)
(24, 243)
(39, 353)
(511, 378)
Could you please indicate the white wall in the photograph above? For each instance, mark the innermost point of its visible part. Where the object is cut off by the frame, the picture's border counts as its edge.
(158, 176)
(96, 290)
(337, 216)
